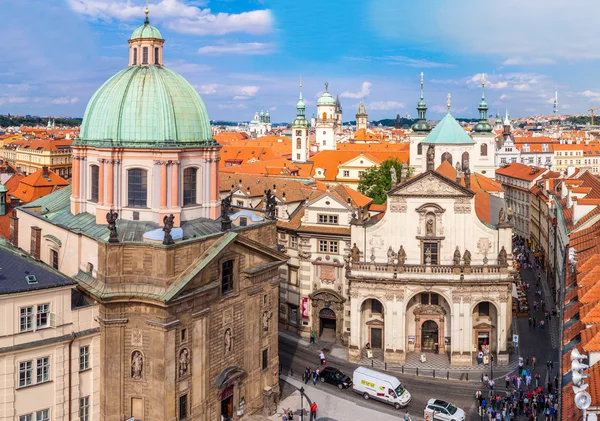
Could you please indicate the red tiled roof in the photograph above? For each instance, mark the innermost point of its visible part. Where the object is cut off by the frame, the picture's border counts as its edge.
(520, 171)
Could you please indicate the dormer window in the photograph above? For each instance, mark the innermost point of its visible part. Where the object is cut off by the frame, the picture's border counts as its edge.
(134, 56)
(145, 55)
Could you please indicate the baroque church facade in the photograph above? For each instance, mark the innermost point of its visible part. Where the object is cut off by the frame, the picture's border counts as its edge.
(441, 283)
(187, 306)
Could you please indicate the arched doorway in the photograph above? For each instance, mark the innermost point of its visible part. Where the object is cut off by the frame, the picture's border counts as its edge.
(372, 312)
(447, 156)
(429, 336)
(485, 321)
(327, 325)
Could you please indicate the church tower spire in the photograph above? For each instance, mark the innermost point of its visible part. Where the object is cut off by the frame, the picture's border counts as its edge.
(483, 126)
(300, 131)
(421, 125)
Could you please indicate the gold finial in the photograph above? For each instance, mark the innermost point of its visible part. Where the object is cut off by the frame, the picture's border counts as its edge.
(448, 104)
(146, 11)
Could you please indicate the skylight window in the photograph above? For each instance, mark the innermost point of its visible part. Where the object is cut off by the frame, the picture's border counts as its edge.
(31, 279)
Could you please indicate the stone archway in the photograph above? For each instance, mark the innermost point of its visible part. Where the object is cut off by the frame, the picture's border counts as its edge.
(425, 314)
(328, 303)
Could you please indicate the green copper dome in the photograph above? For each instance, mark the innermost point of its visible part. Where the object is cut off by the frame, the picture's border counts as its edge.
(326, 99)
(146, 106)
(146, 31)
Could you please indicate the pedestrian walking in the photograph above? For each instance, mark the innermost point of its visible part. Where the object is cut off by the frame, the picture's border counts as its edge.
(312, 337)
(551, 365)
(537, 380)
(290, 415)
(507, 380)
(314, 377)
(556, 382)
(322, 358)
(533, 362)
(284, 417)
(307, 375)
(313, 411)
(407, 416)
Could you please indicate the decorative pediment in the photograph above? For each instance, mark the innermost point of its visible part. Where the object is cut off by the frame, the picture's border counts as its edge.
(327, 295)
(431, 184)
(429, 309)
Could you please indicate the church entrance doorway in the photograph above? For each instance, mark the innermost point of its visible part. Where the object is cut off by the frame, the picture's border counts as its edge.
(327, 321)
(227, 403)
(376, 335)
(429, 336)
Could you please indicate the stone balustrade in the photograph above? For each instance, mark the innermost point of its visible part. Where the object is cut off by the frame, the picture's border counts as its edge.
(393, 271)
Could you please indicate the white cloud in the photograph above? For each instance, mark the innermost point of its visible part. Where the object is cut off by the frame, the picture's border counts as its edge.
(178, 16)
(365, 90)
(504, 96)
(240, 105)
(238, 93)
(519, 61)
(444, 109)
(65, 100)
(590, 94)
(384, 105)
(248, 48)
(522, 87)
(420, 63)
(181, 66)
(12, 99)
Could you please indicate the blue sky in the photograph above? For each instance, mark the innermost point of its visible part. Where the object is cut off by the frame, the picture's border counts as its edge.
(247, 55)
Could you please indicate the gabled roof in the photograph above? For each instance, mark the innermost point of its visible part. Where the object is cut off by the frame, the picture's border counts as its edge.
(428, 180)
(448, 132)
(38, 185)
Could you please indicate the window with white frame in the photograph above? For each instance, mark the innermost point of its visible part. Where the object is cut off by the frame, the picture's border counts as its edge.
(84, 357)
(26, 417)
(346, 173)
(26, 319)
(293, 241)
(43, 370)
(43, 415)
(25, 373)
(84, 408)
(328, 219)
(326, 246)
(43, 316)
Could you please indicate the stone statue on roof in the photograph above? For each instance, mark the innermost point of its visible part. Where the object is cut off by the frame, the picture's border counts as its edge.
(401, 256)
(394, 176)
(167, 227)
(502, 257)
(225, 210)
(270, 204)
(467, 258)
(430, 157)
(468, 178)
(355, 252)
(502, 216)
(457, 257)
(111, 218)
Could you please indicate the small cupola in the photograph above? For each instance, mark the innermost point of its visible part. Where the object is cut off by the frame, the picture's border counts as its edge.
(146, 45)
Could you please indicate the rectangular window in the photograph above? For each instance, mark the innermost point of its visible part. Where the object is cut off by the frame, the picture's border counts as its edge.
(27, 417)
(43, 314)
(240, 203)
(227, 277)
(25, 373)
(323, 246)
(293, 276)
(265, 359)
(503, 161)
(430, 249)
(425, 299)
(328, 219)
(137, 188)
(84, 408)
(484, 309)
(346, 173)
(84, 358)
(135, 56)
(26, 319)
(434, 299)
(145, 55)
(293, 315)
(243, 221)
(43, 370)
(54, 258)
(328, 246)
(189, 186)
(43, 415)
(183, 335)
(293, 242)
(94, 182)
(183, 404)
(156, 56)
(376, 307)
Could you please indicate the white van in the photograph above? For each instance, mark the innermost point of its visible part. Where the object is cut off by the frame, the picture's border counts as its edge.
(383, 387)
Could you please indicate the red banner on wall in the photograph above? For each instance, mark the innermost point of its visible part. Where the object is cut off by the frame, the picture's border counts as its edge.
(305, 307)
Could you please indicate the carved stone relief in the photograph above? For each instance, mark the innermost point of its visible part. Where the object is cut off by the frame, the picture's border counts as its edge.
(430, 185)
(137, 365)
(136, 337)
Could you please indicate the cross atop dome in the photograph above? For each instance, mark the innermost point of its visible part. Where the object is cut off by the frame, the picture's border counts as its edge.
(448, 103)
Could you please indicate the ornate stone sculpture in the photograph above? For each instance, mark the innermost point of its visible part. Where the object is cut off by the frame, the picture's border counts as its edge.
(111, 218)
(401, 256)
(502, 257)
(457, 257)
(372, 258)
(270, 204)
(355, 252)
(225, 210)
(266, 317)
(430, 157)
(184, 360)
(168, 226)
(403, 172)
(391, 256)
(394, 176)
(228, 341)
(509, 215)
(429, 227)
(502, 216)
(137, 365)
(468, 178)
(347, 260)
(467, 258)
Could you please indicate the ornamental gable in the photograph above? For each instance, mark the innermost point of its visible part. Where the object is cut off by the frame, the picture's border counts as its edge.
(430, 184)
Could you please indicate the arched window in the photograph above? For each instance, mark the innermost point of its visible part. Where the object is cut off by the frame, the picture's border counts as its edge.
(447, 156)
(137, 188)
(324, 116)
(145, 55)
(420, 149)
(483, 149)
(298, 143)
(135, 56)
(156, 61)
(94, 183)
(189, 186)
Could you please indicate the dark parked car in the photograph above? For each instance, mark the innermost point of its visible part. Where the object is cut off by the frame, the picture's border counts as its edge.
(334, 376)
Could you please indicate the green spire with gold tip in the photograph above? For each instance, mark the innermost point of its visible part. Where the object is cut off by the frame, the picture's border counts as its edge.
(421, 126)
(483, 126)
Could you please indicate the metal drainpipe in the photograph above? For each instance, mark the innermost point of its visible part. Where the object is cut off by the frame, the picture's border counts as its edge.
(70, 373)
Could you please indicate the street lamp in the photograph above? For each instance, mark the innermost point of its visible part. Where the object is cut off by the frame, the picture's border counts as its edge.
(301, 404)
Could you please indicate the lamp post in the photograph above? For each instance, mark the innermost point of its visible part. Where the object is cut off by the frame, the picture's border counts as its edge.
(301, 404)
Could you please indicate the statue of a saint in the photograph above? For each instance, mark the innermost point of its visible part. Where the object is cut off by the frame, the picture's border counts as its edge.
(394, 176)
(457, 257)
(225, 211)
(391, 256)
(502, 216)
(355, 253)
(430, 157)
(111, 218)
(502, 257)
(403, 172)
(184, 360)
(467, 258)
(401, 256)
(137, 365)
(270, 204)
(228, 341)
(468, 178)
(509, 215)
(167, 227)
(429, 227)
(266, 317)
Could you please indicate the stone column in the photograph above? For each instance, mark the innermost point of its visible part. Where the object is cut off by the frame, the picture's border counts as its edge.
(110, 193)
(101, 182)
(76, 170)
(175, 184)
(355, 321)
(163, 185)
(442, 335)
(418, 324)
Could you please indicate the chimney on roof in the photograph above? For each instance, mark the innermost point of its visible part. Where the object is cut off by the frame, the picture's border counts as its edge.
(45, 171)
